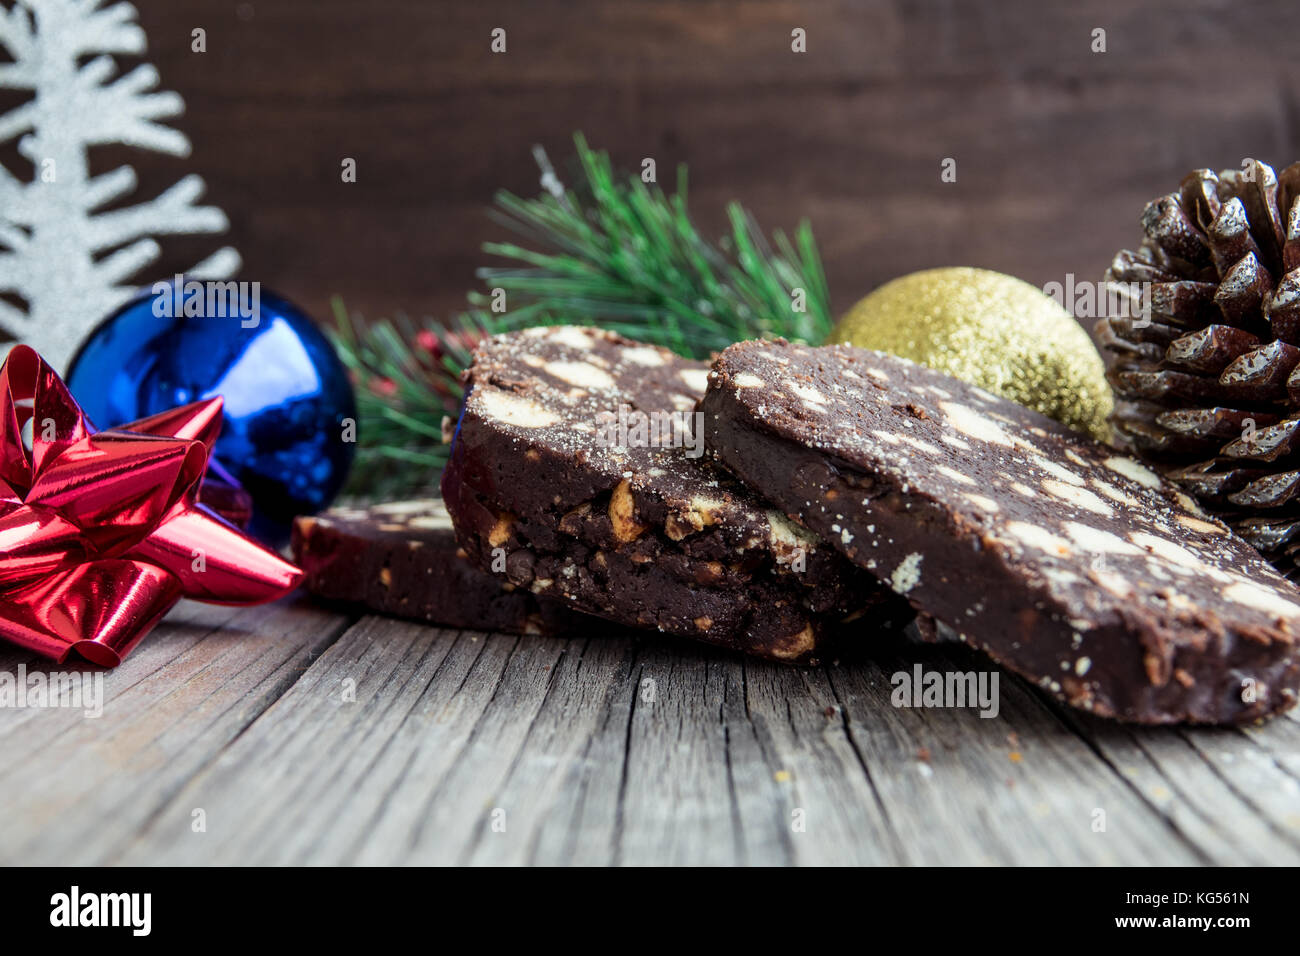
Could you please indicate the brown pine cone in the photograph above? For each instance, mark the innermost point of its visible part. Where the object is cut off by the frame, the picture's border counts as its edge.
(1205, 378)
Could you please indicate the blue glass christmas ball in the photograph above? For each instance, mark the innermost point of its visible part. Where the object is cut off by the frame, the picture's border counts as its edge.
(289, 407)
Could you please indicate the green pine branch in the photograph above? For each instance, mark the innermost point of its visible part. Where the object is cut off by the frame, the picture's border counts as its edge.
(407, 380)
(612, 251)
(622, 254)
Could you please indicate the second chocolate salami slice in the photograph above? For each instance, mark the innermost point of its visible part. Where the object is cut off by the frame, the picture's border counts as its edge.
(577, 473)
(1058, 556)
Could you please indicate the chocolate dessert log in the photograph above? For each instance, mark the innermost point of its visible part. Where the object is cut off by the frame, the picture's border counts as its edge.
(577, 469)
(1059, 557)
(402, 559)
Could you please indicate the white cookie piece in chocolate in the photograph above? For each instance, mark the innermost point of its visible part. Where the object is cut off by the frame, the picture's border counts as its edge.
(1058, 556)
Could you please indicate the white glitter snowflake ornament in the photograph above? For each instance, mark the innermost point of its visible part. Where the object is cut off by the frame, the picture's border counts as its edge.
(64, 263)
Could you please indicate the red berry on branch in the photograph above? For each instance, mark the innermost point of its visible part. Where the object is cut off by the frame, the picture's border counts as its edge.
(427, 341)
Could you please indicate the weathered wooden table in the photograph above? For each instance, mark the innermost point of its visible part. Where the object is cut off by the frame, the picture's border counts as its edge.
(295, 734)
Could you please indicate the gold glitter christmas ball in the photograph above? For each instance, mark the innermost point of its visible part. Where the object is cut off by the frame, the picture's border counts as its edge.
(991, 330)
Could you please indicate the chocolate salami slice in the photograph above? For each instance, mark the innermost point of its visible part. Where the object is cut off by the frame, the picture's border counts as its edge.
(402, 559)
(577, 471)
(1059, 557)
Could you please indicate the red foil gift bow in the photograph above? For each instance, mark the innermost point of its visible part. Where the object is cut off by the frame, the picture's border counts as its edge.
(101, 533)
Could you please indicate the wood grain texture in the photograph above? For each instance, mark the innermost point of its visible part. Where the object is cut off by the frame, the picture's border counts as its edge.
(76, 788)
(1058, 148)
(305, 738)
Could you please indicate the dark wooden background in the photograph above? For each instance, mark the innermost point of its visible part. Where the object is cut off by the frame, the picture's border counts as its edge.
(1057, 147)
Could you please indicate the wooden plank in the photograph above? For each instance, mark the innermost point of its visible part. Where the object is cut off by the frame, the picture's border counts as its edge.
(816, 798)
(399, 743)
(563, 787)
(597, 751)
(325, 778)
(1058, 147)
(469, 804)
(448, 728)
(1018, 789)
(633, 750)
(1219, 788)
(74, 789)
(874, 196)
(406, 48)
